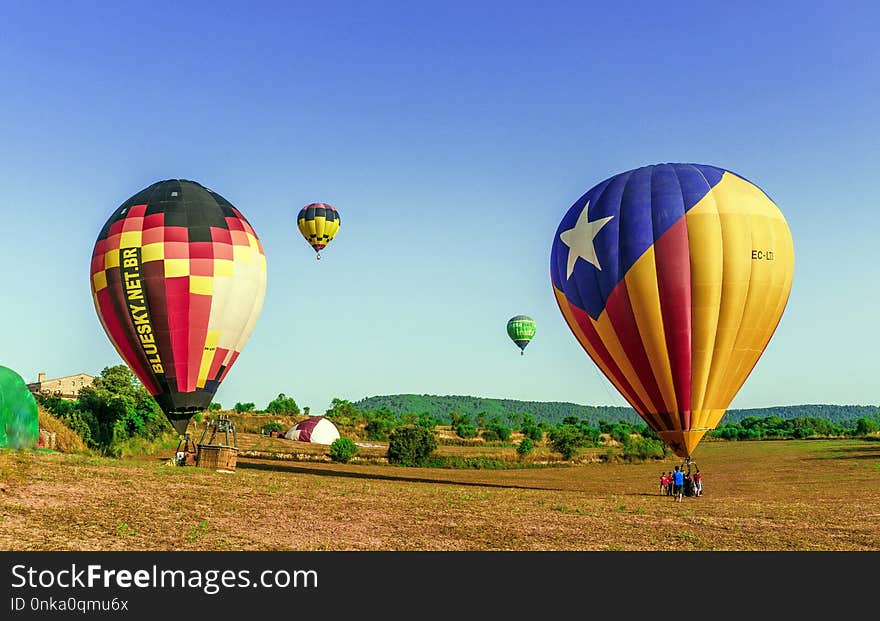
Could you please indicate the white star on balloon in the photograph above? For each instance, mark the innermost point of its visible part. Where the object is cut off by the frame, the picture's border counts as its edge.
(580, 240)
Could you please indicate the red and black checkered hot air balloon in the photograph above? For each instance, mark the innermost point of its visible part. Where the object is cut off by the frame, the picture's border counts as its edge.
(178, 278)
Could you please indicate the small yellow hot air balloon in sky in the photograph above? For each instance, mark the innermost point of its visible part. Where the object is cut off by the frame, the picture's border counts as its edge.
(318, 223)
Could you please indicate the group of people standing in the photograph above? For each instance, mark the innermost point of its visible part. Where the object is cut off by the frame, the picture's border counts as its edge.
(679, 483)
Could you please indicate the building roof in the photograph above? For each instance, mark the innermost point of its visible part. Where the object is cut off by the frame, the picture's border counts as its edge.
(53, 379)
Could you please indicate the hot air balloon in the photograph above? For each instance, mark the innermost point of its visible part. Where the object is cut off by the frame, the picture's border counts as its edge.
(673, 278)
(178, 278)
(318, 223)
(315, 429)
(521, 330)
(19, 421)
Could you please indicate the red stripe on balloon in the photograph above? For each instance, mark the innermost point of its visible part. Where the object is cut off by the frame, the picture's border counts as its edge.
(219, 357)
(620, 312)
(177, 304)
(672, 253)
(199, 313)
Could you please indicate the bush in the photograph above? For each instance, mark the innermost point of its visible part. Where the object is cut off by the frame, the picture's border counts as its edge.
(411, 445)
(343, 449)
(462, 425)
(241, 408)
(533, 432)
(640, 449)
(215, 407)
(592, 435)
(620, 432)
(466, 430)
(525, 447)
(423, 420)
(114, 408)
(282, 404)
(531, 429)
(566, 439)
(380, 424)
(865, 426)
(489, 435)
(340, 408)
(498, 430)
(270, 428)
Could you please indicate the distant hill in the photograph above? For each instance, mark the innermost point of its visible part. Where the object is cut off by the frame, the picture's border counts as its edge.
(441, 406)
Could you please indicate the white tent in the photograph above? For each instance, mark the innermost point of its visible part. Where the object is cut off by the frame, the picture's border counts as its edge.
(315, 429)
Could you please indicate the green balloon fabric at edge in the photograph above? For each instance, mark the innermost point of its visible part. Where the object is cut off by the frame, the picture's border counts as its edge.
(19, 422)
(521, 329)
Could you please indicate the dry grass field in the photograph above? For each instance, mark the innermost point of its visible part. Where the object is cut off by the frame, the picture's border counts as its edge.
(783, 495)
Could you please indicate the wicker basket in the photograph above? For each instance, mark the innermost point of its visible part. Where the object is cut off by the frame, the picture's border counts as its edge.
(217, 456)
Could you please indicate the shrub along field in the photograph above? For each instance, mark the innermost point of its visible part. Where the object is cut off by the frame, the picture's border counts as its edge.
(768, 495)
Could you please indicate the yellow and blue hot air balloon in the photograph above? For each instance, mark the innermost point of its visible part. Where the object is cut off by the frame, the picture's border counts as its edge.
(318, 223)
(673, 278)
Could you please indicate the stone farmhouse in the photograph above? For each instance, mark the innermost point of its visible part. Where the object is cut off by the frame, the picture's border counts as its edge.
(66, 387)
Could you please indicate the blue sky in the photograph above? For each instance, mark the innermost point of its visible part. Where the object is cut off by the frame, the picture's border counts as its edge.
(452, 137)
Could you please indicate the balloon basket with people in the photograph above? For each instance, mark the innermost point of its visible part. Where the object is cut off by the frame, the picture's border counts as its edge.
(693, 479)
(684, 480)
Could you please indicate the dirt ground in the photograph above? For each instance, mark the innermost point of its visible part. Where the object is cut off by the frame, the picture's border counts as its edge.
(784, 495)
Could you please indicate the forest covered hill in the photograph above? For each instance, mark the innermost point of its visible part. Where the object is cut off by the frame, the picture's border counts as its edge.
(441, 406)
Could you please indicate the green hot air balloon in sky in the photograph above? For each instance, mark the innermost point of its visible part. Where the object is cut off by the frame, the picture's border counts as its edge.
(521, 330)
(19, 424)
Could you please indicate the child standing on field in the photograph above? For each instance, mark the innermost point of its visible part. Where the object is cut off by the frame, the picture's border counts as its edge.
(662, 483)
(698, 482)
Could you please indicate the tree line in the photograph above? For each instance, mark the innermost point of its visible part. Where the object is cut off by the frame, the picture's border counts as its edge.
(116, 409)
(442, 407)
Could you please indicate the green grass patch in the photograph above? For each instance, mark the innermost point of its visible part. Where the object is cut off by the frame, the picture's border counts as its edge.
(570, 510)
(197, 531)
(687, 538)
(137, 446)
(85, 459)
(479, 463)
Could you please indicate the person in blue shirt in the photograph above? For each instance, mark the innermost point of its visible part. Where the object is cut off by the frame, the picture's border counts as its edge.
(677, 484)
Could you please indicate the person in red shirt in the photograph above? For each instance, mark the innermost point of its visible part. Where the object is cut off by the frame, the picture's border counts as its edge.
(698, 482)
(663, 483)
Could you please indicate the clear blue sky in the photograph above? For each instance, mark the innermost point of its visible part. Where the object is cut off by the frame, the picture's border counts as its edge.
(452, 138)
